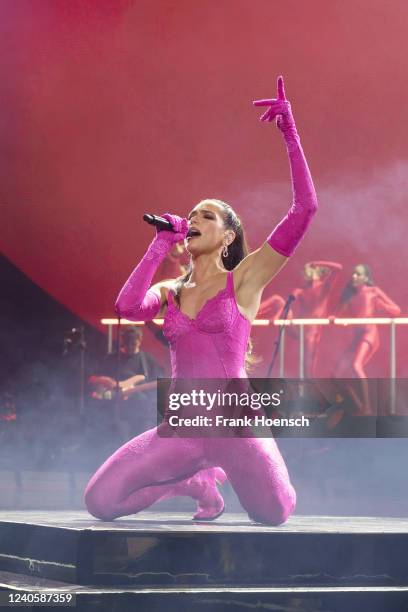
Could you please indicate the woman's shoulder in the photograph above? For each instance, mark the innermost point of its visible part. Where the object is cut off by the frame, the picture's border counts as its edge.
(170, 284)
(164, 286)
(372, 291)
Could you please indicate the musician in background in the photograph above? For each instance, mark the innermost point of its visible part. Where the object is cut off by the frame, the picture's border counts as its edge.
(133, 374)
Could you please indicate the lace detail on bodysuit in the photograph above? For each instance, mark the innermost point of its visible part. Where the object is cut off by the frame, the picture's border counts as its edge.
(214, 343)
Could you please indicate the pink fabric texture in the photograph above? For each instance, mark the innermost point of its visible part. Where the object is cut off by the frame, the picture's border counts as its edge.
(152, 467)
(135, 301)
(212, 345)
(288, 233)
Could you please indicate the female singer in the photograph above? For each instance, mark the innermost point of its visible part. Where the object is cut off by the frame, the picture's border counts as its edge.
(207, 319)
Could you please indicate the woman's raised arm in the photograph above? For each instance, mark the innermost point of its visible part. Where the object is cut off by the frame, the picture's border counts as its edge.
(258, 268)
(385, 303)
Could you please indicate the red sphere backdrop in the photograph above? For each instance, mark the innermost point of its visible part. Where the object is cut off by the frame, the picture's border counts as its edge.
(113, 108)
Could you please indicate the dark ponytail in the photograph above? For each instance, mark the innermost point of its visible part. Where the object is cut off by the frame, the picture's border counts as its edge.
(238, 249)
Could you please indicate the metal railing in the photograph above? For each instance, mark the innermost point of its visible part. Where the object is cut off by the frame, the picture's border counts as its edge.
(111, 323)
(301, 323)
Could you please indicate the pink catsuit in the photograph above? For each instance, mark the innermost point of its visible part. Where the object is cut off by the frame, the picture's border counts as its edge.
(213, 345)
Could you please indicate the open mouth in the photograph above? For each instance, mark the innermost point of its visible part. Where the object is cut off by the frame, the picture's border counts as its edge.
(193, 233)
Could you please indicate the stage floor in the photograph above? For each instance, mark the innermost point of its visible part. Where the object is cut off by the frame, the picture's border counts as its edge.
(228, 522)
(164, 561)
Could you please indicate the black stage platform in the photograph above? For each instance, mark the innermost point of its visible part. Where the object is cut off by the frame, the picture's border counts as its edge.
(164, 561)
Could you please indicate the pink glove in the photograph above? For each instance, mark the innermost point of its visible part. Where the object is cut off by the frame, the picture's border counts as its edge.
(136, 301)
(289, 232)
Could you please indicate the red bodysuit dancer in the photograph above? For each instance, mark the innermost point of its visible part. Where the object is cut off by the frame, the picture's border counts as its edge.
(361, 298)
(207, 320)
(272, 307)
(312, 302)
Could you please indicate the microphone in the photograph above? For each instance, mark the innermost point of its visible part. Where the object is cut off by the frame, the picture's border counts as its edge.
(285, 311)
(159, 222)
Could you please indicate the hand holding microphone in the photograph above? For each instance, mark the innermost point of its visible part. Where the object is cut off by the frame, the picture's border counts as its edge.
(170, 227)
(137, 301)
(159, 222)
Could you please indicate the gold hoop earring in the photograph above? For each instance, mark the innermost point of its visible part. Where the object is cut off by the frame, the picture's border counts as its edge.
(225, 251)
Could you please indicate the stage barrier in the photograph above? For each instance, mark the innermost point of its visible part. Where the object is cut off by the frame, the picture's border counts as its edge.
(301, 323)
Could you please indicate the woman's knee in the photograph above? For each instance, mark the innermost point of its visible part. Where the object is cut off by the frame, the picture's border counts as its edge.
(358, 369)
(99, 503)
(276, 509)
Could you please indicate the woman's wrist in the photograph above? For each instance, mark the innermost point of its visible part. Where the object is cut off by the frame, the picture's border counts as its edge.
(288, 128)
(159, 247)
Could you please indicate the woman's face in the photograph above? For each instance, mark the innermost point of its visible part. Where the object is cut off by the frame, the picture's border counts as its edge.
(312, 272)
(207, 232)
(359, 276)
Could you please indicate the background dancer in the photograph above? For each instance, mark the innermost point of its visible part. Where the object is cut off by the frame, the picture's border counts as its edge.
(272, 307)
(312, 302)
(208, 315)
(361, 298)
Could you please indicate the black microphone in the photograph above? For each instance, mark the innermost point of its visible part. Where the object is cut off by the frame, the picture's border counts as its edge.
(159, 222)
(291, 298)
